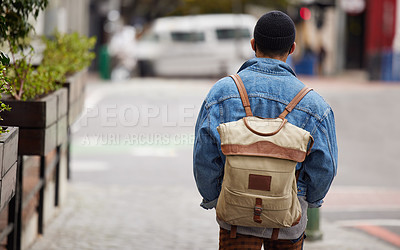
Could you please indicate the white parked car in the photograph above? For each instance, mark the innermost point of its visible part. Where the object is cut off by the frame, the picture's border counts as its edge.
(197, 45)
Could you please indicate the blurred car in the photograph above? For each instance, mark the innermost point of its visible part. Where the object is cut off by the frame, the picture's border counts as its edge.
(197, 45)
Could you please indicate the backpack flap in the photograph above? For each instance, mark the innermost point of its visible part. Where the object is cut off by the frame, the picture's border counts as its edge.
(289, 143)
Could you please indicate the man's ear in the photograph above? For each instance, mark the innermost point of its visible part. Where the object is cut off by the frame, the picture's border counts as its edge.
(292, 48)
(253, 44)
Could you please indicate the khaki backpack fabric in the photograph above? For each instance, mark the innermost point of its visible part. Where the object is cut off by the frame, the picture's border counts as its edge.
(259, 185)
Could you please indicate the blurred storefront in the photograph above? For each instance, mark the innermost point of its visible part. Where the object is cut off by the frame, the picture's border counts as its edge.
(335, 36)
(370, 37)
(317, 32)
(381, 50)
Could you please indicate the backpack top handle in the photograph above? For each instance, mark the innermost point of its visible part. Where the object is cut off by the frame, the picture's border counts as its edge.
(246, 104)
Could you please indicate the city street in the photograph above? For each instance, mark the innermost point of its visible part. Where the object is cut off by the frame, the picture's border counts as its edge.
(132, 185)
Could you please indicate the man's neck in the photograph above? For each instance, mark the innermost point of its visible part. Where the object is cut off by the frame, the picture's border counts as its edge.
(280, 58)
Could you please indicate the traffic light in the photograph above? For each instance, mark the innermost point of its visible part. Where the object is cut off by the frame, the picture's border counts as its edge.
(305, 13)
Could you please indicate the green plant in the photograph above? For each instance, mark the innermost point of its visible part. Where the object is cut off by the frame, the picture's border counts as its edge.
(14, 31)
(64, 55)
(4, 59)
(68, 53)
(3, 89)
(28, 83)
(14, 21)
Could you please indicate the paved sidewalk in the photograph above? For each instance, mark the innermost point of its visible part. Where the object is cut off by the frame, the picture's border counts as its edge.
(160, 218)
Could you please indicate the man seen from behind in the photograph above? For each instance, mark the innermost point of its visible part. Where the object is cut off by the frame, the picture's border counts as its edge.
(270, 84)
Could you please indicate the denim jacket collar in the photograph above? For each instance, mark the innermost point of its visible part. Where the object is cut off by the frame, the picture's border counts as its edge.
(268, 65)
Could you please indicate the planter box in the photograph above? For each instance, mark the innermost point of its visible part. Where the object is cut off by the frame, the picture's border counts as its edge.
(76, 95)
(8, 164)
(62, 130)
(38, 120)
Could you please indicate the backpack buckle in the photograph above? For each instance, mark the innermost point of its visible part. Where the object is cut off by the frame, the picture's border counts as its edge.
(258, 210)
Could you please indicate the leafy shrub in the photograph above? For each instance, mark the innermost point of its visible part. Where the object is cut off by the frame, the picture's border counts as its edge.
(15, 28)
(63, 56)
(29, 83)
(3, 89)
(68, 53)
(14, 21)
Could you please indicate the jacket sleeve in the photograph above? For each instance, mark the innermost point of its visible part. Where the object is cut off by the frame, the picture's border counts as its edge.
(321, 165)
(207, 160)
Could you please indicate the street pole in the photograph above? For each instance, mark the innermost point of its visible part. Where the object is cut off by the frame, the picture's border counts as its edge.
(313, 231)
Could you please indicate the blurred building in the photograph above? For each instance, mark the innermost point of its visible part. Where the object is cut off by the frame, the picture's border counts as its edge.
(333, 35)
(349, 35)
(382, 31)
(65, 16)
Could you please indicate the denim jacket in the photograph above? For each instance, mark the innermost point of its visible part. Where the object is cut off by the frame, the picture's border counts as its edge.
(271, 84)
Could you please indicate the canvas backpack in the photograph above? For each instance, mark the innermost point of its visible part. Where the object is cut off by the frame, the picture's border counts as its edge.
(259, 186)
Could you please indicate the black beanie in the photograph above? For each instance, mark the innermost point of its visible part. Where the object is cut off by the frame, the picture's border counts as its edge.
(275, 31)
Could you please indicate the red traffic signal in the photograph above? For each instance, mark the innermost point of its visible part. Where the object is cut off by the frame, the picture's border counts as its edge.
(305, 13)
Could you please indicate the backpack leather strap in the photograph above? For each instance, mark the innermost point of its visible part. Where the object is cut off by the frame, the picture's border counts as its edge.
(258, 210)
(246, 103)
(243, 94)
(232, 234)
(275, 234)
(294, 102)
